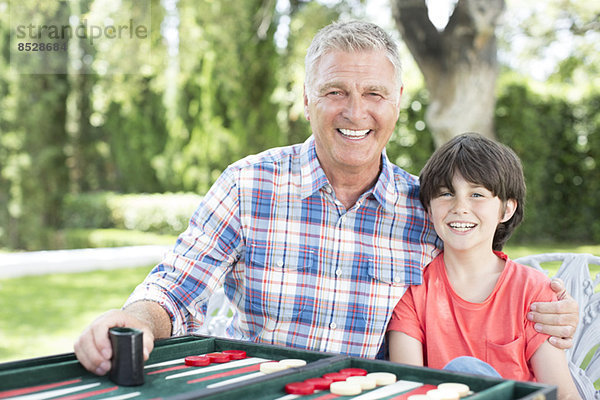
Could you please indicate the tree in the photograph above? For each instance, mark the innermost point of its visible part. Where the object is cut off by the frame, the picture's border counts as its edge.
(459, 63)
(223, 108)
(33, 134)
(554, 41)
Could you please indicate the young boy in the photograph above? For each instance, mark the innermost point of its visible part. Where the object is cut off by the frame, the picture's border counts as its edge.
(474, 300)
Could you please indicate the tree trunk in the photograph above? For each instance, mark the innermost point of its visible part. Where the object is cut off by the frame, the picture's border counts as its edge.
(459, 64)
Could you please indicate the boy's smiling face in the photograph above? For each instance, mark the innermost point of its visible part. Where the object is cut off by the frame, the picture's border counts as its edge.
(467, 216)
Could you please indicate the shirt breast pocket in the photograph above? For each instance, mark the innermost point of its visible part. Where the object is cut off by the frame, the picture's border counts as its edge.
(380, 292)
(278, 280)
(509, 358)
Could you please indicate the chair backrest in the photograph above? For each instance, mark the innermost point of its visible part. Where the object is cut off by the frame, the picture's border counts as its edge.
(584, 356)
(218, 315)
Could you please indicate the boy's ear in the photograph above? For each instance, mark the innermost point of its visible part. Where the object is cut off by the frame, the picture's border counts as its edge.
(509, 209)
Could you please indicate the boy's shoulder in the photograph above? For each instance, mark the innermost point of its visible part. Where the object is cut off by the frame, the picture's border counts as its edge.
(531, 281)
(526, 271)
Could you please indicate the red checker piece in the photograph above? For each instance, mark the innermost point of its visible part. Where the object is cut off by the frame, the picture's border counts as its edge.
(197, 361)
(335, 376)
(299, 388)
(353, 371)
(319, 383)
(235, 354)
(218, 357)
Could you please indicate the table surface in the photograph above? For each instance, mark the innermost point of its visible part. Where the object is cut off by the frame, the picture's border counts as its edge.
(167, 377)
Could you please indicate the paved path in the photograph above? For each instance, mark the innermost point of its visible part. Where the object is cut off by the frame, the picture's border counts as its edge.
(64, 261)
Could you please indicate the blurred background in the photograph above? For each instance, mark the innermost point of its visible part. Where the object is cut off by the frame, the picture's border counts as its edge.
(112, 143)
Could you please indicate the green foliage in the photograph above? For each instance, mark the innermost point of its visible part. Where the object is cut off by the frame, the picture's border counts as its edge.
(87, 210)
(33, 140)
(412, 143)
(224, 108)
(165, 213)
(233, 88)
(558, 143)
(96, 238)
(136, 132)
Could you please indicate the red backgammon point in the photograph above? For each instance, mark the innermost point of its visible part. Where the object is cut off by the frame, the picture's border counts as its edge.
(319, 383)
(335, 376)
(218, 357)
(354, 371)
(235, 354)
(299, 388)
(197, 361)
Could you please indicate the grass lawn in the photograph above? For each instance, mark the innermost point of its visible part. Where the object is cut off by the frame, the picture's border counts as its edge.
(43, 315)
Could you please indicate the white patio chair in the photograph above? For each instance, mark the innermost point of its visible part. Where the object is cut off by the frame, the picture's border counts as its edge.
(217, 315)
(574, 271)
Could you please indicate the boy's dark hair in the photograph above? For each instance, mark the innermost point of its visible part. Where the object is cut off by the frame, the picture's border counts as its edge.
(481, 161)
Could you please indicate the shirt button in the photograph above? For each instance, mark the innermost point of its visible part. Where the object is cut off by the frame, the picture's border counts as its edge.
(332, 325)
(338, 272)
(397, 279)
(328, 189)
(280, 263)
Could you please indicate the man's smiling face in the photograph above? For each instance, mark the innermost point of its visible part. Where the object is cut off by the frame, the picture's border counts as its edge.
(352, 104)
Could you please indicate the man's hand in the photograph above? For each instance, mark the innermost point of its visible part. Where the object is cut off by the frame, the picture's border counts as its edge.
(558, 319)
(93, 348)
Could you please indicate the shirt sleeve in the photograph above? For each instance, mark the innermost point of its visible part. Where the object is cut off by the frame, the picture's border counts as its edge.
(405, 317)
(183, 282)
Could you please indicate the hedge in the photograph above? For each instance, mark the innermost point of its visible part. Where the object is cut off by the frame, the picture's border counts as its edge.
(165, 214)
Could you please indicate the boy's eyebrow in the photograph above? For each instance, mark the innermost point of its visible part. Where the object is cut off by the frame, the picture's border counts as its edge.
(477, 185)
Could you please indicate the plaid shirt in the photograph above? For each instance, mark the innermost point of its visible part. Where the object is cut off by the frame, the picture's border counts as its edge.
(299, 269)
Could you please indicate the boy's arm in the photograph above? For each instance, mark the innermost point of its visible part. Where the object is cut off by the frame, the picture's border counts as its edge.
(405, 349)
(550, 366)
(557, 318)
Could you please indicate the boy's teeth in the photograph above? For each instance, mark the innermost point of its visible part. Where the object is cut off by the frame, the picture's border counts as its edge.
(461, 225)
(354, 134)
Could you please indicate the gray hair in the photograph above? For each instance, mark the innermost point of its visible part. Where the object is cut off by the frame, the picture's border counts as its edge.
(352, 36)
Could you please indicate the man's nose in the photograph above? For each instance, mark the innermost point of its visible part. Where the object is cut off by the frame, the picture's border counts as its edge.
(356, 107)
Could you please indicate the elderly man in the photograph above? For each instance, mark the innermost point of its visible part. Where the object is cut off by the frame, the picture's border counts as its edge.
(314, 243)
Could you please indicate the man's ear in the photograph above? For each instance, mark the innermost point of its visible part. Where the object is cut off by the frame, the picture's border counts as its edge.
(305, 96)
(509, 209)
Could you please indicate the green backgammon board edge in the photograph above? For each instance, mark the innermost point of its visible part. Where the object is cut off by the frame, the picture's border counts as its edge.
(271, 386)
(65, 366)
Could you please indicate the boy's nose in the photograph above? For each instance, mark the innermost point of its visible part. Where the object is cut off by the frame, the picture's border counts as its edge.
(459, 206)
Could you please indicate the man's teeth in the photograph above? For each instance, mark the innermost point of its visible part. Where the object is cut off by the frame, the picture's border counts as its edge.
(461, 225)
(354, 134)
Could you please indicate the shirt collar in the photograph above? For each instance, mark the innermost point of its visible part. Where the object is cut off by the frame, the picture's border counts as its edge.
(313, 177)
(385, 190)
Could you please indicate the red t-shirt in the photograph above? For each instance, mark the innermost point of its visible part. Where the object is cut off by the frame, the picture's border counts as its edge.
(496, 331)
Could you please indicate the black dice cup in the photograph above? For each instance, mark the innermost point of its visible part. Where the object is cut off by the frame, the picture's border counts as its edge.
(127, 367)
